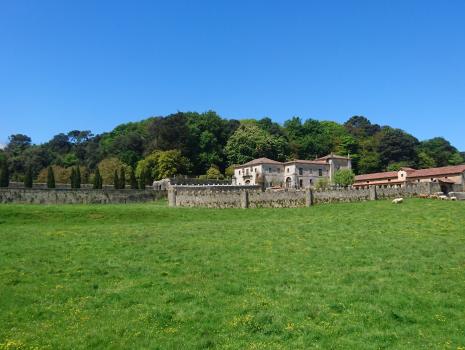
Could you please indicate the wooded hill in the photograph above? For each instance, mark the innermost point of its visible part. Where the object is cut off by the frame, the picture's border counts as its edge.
(200, 143)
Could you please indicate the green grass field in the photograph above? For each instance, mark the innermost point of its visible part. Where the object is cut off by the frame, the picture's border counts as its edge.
(347, 276)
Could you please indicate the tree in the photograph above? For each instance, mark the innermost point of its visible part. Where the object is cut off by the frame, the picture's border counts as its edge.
(322, 184)
(107, 168)
(116, 180)
(132, 179)
(344, 177)
(61, 175)
(214, 173)
(229, 172)
(162, 164)
(50, 178)
(28, 181)
(78, 178)
(396, 146)
(440, 151)
(4, 174)
(72, 178)
(122, 178)
(249, 142)
(97, 180)
(142, 179)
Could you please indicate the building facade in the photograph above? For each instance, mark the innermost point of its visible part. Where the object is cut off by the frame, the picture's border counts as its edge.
(292, 174)
(445, 176)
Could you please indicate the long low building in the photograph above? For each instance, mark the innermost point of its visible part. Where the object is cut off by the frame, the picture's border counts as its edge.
(293, 174)
(445, 176)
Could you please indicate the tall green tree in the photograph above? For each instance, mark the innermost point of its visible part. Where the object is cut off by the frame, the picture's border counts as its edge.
(72, 178)
(50, 178)
(132, 179)
(122, 178)
(249, 142)
(78, 178)
(4, 174)
(116, 180)
(28, 178)
(97, 180)
(142, 178)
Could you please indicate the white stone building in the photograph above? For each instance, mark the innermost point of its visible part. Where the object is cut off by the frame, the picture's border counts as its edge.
(292, 174)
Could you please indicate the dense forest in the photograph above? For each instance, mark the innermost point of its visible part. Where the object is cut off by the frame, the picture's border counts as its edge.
(204, 144)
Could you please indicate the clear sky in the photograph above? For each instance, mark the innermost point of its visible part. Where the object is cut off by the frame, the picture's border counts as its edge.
(94, 64)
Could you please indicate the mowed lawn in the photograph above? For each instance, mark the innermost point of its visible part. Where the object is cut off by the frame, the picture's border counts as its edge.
(345, 276)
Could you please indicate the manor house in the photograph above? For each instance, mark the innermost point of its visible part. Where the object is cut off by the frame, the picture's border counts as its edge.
(292, 174)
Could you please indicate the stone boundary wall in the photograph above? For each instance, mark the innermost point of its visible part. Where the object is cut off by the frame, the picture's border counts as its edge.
(40, 185)
(253, 197)
(78, 196)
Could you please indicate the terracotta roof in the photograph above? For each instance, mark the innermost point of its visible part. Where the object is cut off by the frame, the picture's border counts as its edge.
(261, 161)
(332, 156)
(376, 176)
(447, 170)
(303, 161)
(379, 182)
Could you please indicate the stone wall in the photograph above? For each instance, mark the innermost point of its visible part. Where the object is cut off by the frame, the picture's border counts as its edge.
(79, 196)
(40, 185)
(253, 197)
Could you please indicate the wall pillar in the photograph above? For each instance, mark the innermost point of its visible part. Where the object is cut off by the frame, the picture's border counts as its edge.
(172, 197)
(244, 199)
(309, 200)
(373, 194)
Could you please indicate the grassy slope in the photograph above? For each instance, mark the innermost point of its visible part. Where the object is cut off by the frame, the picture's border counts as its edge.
(365, 276)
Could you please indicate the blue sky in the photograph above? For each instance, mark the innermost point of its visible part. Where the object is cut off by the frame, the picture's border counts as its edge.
(94, 64)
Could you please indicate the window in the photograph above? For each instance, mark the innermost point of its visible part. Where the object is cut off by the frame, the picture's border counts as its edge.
(269, 170)
(311, 181)
(320, 172)
(279, 170)
(271, 184)
(301, 171)
(288, 169)
(239, 172)
(301, 183)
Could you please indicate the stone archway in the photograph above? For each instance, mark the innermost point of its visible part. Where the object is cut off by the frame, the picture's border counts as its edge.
(288, 182)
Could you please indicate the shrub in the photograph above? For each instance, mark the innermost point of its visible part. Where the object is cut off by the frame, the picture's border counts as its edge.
(322, 184)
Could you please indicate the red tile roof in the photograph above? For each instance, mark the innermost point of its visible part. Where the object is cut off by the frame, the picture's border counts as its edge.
(332, 156)
(377, 176)
(303, 161)
(447, 170)
(412, 173)
(261, 161)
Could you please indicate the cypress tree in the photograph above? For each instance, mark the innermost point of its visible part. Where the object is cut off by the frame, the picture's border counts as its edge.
(115, 180)
(132, 179)
(122, 178)
(72, 178)
(28, 178)
(97, 180)
(142, 180)
(50, 178)
(4, 174)
(77, 183)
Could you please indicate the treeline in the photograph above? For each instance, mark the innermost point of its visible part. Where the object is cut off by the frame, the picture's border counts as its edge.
(204, 144)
